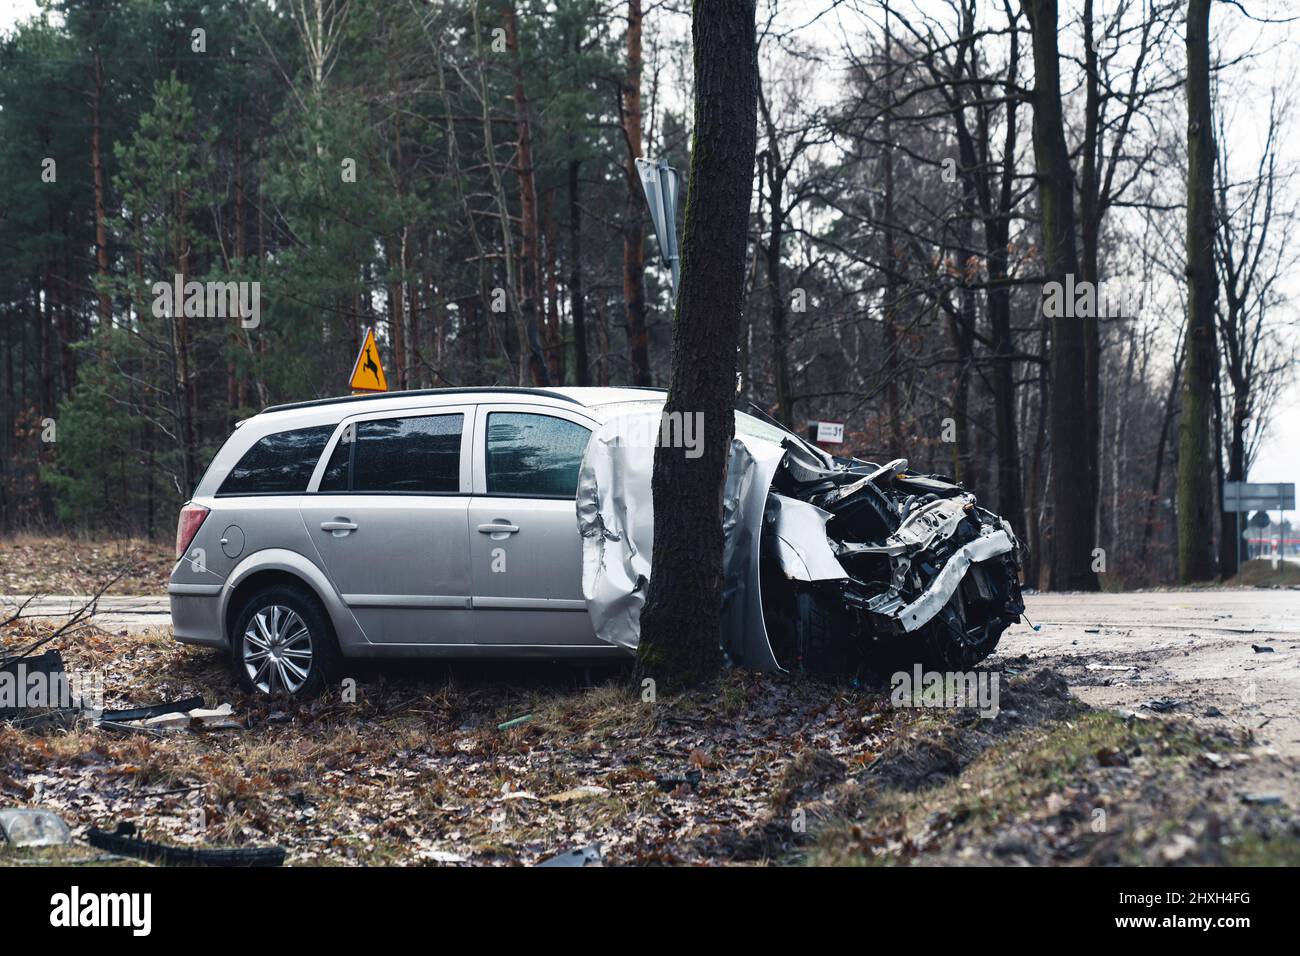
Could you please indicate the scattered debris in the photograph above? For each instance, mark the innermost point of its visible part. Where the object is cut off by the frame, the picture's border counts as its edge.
(1177, 848)
(1162, 705)
(1261, 799)
(196, 719)
(152, 710)
(1131, 714)
(515, 722)
(587, 856)
(670, 782)
(1213, 711)
(445, 856)
(1111, 667)
(31, 826)
(161, 719)
(14, 674)
(123, 841)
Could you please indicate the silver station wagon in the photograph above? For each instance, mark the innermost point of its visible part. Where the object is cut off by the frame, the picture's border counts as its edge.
(431, 524)
(517, 523)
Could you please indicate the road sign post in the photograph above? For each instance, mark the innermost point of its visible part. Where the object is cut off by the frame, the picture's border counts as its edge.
(367, 372)
(1247, 496)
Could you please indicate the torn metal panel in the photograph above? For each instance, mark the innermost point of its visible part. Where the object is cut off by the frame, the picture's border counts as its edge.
(750, 470)
(797, 531)
(941, 589)
(616, 521)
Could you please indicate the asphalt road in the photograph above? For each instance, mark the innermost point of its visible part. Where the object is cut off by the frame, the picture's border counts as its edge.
(1229, 657)
(114, 613)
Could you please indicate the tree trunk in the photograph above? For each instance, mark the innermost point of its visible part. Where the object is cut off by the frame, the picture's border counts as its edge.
(101, 216)
(1157, 478)
(681, 621)
(529, 256)
(1195, 451)
(554, 337)
(1072, 514)
(638, 341)
(1090, 213)
(577, 308)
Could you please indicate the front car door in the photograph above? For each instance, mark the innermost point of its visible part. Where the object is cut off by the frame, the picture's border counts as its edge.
(525, 552)
(386, 511)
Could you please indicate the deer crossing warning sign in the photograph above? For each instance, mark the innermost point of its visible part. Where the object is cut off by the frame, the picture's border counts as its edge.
(367, 373)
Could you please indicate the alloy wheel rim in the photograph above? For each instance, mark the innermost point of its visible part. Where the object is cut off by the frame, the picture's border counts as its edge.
(277, 650)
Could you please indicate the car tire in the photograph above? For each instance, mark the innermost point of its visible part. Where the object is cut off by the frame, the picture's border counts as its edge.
(282, 644)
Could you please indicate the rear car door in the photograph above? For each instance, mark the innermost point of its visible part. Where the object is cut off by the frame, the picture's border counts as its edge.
(525, 552)
(387, 515)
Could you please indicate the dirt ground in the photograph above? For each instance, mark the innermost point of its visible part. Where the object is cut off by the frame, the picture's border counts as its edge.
(1151, 728)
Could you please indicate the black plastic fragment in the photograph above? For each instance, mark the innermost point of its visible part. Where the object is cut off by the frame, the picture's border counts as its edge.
(124, 842)
(154, 710)
(49, 663)
(670, 782)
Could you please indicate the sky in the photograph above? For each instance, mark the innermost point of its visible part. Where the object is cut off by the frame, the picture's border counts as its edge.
(1279, 453)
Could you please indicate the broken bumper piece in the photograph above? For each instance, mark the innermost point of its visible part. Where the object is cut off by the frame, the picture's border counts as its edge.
(830, 564)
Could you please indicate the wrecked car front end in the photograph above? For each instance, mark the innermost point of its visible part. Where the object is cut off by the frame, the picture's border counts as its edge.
(830, 564)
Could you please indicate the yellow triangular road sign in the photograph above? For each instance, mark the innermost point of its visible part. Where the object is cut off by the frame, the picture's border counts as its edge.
(368, 373)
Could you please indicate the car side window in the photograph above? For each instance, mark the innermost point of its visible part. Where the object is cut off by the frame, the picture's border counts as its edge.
(278, 464)
(415, 455)
(533, 456)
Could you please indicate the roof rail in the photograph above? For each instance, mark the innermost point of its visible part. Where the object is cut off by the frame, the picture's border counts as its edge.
(470, 390)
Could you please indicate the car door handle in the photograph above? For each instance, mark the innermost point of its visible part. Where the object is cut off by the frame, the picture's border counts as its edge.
(338, 527)
(493, 528)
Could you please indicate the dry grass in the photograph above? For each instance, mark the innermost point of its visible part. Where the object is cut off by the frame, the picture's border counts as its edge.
(771, 769)
(51, 565)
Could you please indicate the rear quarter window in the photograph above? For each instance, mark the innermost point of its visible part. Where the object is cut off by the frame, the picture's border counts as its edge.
(278, 464)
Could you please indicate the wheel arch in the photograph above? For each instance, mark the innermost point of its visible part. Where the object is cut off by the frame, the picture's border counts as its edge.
(279, 567)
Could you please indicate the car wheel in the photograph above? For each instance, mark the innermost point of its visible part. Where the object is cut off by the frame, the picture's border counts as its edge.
(282, 644)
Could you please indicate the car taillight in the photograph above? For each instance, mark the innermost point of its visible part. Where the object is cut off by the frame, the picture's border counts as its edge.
(187, 526)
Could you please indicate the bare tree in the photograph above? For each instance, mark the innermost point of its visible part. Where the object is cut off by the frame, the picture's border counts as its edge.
(1072, 515)
(1195, 447)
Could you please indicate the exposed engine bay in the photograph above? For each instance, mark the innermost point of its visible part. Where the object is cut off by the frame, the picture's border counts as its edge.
(902, 568)
(831, 565)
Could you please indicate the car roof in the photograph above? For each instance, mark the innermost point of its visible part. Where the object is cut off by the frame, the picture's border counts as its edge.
(591, 397)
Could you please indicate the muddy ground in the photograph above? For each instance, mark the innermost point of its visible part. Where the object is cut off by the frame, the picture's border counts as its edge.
(1132, 728)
